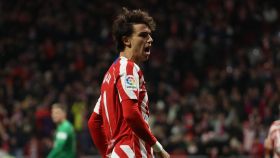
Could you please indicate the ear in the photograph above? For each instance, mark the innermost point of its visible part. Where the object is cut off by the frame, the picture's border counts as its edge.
(126, 41)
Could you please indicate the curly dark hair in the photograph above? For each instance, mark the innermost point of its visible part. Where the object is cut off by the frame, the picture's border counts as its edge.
(123, 24)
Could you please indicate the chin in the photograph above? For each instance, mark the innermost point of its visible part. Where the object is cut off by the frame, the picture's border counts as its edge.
(145, 59)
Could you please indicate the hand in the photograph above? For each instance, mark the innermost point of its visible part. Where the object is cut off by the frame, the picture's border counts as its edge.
(162, 154)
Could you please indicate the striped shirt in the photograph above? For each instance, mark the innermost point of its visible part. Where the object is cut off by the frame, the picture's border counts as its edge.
(124, 80)
(274, 136)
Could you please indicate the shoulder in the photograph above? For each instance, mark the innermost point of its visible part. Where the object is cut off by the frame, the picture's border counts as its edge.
(66, 125)
(128, 65)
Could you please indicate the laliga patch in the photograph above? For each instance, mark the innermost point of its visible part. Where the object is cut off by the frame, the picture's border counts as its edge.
(130, 82)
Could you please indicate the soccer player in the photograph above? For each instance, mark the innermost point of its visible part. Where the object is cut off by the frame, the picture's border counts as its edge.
(65, 140)
(119, 123)
(272, 142)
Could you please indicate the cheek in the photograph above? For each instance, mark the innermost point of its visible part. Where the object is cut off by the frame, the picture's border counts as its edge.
(139, 43)
(55, 116)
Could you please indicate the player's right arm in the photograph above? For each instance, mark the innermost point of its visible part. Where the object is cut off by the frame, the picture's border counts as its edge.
(97, 131)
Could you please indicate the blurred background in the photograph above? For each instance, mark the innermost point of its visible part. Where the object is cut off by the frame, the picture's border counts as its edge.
(213, 77)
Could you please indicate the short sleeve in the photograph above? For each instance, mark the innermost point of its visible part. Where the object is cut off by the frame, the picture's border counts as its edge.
(128, 82)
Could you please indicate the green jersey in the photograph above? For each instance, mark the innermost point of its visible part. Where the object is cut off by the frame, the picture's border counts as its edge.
(65, 142)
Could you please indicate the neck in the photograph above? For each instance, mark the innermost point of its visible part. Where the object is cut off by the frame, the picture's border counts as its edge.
(126, 53)
(61, 121)
(129, 55)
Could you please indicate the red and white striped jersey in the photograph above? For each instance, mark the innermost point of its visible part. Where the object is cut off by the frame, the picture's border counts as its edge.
(274, 136)
(124, 80)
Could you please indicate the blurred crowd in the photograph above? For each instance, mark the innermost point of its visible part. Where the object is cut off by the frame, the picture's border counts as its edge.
(213, 77)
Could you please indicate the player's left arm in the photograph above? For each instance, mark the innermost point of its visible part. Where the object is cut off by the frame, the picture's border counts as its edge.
(96, 129)
(60, 140)
(97, 133)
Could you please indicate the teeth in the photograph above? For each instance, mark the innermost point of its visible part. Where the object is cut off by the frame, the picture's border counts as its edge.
(147, 50)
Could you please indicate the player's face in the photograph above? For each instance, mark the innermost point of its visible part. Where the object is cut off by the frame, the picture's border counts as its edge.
(57, 115)
(141, 42)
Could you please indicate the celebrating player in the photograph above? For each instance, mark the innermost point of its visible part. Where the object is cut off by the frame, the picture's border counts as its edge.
(119, 124)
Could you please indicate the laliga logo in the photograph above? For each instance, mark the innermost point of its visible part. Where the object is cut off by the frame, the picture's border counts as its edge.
(130, 82)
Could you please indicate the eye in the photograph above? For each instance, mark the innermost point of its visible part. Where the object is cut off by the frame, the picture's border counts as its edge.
(144, 34)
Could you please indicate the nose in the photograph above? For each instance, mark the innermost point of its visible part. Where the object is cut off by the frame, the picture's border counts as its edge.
(150, 39)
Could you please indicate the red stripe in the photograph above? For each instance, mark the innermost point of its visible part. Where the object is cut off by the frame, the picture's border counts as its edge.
(129, 68)
(136, 146)
(111, 107)
(148, 149)
(117, 69)
(106, 125)
(120, 152)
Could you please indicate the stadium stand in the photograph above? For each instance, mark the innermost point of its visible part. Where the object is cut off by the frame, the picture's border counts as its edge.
(213, 76)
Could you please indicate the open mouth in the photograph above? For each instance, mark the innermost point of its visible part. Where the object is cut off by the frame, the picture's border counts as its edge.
(147, 50)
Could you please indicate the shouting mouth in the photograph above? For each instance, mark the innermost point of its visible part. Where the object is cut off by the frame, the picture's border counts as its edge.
(147, 50)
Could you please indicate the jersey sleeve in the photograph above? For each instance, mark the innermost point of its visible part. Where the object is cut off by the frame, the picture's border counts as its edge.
(60, 140)
(97, 133)
(136, 122)
(96, 129)
(128, 82)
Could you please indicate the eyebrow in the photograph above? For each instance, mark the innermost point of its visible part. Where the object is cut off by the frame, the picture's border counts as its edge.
(145, 33)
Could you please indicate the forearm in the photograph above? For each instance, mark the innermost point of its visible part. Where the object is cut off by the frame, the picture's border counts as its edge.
(97, 133)
(136, 122)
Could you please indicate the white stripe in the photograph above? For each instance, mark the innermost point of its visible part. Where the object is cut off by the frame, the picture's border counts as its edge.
(135, 73)
(143, 149)
(144, 103)
(152, 153)
(120, 98)
(97, 106)
(137, 68)
(128, 151)
(106, 110)
(130, 93)
(143, 108)
(114, 155)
